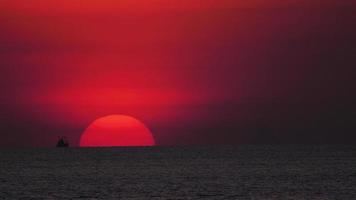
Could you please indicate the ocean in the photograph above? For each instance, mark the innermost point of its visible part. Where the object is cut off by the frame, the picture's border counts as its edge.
(192, 172)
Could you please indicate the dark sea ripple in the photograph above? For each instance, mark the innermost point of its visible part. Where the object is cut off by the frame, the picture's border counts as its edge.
(221, 172)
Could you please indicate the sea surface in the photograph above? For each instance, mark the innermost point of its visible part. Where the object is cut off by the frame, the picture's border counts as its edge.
(210, 172)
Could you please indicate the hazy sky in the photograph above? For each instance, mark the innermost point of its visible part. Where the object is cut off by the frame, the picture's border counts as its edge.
(194, 71)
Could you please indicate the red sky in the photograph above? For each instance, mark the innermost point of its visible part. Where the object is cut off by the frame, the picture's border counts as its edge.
(194, 71)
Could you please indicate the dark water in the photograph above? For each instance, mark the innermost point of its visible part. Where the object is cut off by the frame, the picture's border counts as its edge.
(244, 172)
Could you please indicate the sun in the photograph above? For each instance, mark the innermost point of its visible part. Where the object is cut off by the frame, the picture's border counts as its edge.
(116, 130)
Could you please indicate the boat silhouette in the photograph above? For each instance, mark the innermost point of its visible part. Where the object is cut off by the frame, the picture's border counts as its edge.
(62, 142)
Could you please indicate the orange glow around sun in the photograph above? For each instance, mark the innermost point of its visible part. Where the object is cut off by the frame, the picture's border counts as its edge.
(116, 130)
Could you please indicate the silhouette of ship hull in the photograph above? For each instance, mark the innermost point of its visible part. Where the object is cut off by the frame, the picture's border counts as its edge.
(62, 145)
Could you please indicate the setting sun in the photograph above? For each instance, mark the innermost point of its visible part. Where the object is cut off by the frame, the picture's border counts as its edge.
(116, 130)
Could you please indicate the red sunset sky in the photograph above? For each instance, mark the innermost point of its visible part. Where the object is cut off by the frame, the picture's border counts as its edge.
(194, 71)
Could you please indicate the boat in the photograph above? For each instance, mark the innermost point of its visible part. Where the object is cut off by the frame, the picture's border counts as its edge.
(62, 142)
